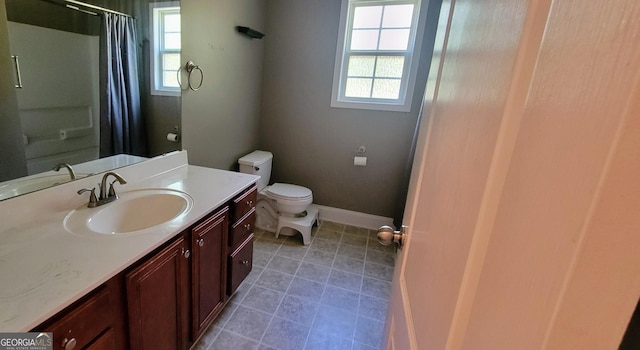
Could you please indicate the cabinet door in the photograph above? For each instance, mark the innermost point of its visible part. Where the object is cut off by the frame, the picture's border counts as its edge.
(241, 230)
(240, 264)
(96, 322)
(106, 341)
(158, 300)
(209, 242)
(244, 203)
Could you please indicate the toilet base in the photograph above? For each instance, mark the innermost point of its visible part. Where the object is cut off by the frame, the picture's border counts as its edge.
(266, 216)
(302, 225)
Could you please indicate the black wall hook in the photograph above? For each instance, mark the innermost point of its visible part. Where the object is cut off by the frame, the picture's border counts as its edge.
(253, 34)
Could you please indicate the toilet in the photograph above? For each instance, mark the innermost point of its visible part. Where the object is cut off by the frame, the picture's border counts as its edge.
(281, 208)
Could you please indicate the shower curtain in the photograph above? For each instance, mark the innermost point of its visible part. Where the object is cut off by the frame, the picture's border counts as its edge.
(121, 125)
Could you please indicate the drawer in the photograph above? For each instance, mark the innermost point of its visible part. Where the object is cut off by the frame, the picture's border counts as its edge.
(242, 229)
(85, 323)
(243, 204)
(240, 263)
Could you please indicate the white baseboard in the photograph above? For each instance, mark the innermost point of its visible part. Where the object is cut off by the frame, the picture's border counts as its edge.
(353, 218)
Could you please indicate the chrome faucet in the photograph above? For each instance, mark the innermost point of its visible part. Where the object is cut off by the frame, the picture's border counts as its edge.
(103, 187)
(105, 197)
(72, 174)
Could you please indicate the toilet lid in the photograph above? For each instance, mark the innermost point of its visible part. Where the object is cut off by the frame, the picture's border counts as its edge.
(289, 191)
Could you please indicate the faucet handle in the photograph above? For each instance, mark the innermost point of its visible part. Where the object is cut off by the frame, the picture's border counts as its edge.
(112, 192)
(93, 200)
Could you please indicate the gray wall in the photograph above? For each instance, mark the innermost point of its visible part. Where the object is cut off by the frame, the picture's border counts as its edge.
(220, 121)
(314, 144)
(162, 115)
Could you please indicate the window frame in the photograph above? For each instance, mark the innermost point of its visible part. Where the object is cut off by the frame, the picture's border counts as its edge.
(343, 52)
(157, 11)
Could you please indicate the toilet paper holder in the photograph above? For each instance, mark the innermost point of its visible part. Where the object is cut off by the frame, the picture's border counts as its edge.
(359, 158)
(175, 135)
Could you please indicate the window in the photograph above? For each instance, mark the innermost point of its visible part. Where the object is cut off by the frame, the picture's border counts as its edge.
(377, 54)
(165, 48)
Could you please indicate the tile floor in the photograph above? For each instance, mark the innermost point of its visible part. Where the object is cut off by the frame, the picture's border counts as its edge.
(331, 294)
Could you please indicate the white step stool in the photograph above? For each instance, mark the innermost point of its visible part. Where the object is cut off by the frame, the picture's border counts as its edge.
(302, 225)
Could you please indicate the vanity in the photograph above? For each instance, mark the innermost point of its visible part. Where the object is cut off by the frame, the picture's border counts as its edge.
(151, 270)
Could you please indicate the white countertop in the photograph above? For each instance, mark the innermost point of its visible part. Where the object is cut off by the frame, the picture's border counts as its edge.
(44, 268)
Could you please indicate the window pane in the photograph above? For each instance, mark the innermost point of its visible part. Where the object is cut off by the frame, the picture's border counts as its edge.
(386, 88)
(364, 39)
(170, 79)
(361, 66)
(170, 61)
(172, 23)
(358, 87)
(367, 17)
(394, 39)
(389, 66)
(172, 41)
(397, 16)
(376, 61)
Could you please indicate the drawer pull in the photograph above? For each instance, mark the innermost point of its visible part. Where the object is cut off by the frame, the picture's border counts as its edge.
(200, 242)
(245, 262)
(69, 344)
(250, 203)
(247, 227)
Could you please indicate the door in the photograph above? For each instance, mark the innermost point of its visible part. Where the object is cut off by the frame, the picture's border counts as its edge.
(521, 230)
(459, 130)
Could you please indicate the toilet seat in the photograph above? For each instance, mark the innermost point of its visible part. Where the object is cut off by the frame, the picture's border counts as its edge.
(289, 193)
(290, 200)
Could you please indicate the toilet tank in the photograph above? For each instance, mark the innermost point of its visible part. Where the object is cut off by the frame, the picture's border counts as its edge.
(257, 163)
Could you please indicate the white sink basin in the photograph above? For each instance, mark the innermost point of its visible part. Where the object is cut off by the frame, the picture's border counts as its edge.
(136, 211)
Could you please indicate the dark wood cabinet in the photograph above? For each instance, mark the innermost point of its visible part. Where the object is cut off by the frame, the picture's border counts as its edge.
(240, 264)
(242, 229)
(93, 323)
(158, 300)
(240, 251)
(244, 203)
(170, 297)
(209, 242)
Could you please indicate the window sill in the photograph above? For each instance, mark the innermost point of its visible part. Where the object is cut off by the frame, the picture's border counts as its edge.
(165, 93)
(389, 107)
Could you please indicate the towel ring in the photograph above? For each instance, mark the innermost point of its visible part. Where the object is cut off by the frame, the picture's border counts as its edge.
(179, 77)
(190, 67)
